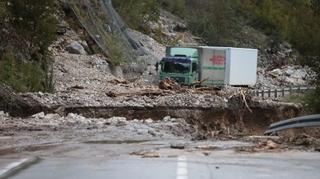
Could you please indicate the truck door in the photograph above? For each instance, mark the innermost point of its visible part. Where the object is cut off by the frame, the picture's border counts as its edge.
(212, 66)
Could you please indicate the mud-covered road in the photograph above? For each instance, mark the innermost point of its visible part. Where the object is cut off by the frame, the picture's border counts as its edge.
(164, 159)
(73, 146)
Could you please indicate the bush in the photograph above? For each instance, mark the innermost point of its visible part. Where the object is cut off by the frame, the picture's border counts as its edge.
(116, 54)
(30, 27)
(23, 76)
(138, 13)
(312, 101)
(211, 20)
(177, 7)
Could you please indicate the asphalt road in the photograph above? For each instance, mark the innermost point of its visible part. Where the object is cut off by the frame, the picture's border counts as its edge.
(181, 165)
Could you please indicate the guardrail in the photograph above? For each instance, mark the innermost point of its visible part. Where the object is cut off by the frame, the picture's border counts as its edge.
(277, 93)
(299, 122)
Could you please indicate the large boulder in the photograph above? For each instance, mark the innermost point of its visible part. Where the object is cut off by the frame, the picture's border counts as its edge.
(76, 48)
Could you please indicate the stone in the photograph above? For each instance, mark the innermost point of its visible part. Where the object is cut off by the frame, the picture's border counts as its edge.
(289, 72)
(2, 114)
(167, 118)
(40, 115)
(299, 74)
(276, 72)
(146, 154)
(117, 121)
(149, 121)
(178, 146)
(151, 154)
(180, 27)
(271, 145)
(76, 48)
(173, 120)
(76, 117)
(151, 132)
(84, 44)
(52, 116)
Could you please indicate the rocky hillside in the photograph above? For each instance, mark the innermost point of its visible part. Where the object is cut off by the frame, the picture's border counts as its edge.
(96, 53)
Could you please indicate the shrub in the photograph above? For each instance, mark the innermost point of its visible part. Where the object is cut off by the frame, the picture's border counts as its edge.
(211, 20)
(23, 76)
(177, 7)
(116, 54)
(30, 27)
(138, 13)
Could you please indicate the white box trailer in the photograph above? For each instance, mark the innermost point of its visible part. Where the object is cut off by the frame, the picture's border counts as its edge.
(228, 66)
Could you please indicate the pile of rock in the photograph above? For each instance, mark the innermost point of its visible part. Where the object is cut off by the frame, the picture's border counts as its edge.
(285, 77)
(120, 125)
(277, 56)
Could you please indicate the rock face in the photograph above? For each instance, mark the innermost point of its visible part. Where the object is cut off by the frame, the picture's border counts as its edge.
(76, 48)
(149, 44)
(173, 30)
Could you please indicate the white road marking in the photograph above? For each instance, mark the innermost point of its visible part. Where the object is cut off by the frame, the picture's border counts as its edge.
(12, 166)
(182, 168)
(15, 167)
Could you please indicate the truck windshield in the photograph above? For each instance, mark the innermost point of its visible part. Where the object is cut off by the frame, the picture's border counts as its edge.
(176, 67)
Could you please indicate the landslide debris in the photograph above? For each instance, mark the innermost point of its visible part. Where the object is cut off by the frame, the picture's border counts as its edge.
(55, 122)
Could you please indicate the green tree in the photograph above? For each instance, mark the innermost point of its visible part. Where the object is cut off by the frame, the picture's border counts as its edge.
(35, 21)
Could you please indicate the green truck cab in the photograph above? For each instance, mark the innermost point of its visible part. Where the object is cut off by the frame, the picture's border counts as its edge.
(180, 64)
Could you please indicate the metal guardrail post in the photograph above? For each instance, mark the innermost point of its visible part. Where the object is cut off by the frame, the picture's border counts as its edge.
(282, 92)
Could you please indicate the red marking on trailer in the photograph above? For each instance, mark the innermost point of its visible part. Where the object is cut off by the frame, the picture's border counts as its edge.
(218, 60)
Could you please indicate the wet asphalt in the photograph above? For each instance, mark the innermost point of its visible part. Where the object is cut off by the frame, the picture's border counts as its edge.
(114, 162)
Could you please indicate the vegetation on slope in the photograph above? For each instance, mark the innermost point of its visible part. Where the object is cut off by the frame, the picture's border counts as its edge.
(28, 28)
